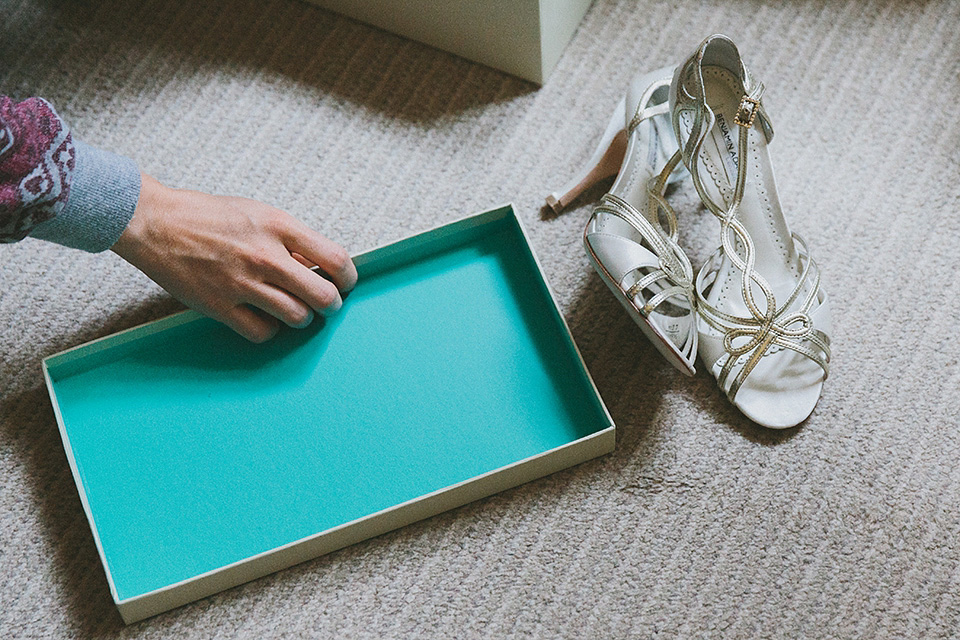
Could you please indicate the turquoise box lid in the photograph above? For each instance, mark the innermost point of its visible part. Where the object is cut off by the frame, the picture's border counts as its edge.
(196, 449)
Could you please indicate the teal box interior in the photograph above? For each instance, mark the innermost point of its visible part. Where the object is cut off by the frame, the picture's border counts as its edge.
(195, 451)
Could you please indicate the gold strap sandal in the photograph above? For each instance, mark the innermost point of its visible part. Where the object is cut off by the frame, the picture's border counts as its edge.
(764, 321)
(631, 238)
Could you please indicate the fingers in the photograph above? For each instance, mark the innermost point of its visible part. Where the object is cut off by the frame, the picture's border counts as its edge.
(326, 254)
(309, 286)
(299, 258)
(282, 306)
(250, 324)
(283, 284)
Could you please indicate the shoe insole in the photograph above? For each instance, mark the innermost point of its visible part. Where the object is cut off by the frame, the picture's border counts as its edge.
(760, 213)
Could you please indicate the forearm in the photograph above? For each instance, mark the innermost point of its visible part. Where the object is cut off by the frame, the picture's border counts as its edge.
(239, 261)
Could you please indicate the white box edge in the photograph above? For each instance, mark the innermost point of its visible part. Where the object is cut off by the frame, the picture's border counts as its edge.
(495, 481)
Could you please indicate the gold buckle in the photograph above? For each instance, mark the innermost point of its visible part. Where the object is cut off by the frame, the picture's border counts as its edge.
(747, 111)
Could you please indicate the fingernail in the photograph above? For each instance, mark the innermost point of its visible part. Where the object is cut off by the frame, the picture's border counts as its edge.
(306, 323)
(335, 307)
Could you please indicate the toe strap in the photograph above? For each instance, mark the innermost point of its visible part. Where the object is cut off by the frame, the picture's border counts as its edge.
(734, 345)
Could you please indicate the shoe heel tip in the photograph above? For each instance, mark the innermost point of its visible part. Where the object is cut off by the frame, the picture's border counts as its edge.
(554, 203)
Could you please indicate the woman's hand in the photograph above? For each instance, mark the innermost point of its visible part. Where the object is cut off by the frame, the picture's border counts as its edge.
(230, 257)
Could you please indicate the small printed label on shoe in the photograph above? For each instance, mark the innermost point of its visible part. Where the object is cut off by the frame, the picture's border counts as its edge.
(728, 150)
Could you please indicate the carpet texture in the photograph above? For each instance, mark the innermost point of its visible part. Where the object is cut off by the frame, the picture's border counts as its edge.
(700, 524)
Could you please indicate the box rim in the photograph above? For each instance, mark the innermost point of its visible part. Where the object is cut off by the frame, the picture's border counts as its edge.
(556, 309)
(482, 218)
(75, 472)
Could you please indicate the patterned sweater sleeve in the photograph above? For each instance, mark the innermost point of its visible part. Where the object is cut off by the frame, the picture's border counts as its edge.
(55, 187)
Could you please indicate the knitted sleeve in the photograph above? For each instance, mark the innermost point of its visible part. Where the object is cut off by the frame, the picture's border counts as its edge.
(57, 188)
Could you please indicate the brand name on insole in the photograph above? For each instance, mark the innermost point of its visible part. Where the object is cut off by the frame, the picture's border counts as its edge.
(730, 155)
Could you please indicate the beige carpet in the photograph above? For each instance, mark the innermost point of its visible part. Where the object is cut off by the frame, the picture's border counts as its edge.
(700, 524)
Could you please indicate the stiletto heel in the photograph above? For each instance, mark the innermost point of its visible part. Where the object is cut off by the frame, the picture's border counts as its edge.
(604, 163)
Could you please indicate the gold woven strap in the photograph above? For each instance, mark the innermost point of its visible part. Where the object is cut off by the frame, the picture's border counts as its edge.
(772, 325)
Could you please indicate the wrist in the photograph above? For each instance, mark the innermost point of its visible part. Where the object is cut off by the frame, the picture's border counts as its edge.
(134, 237)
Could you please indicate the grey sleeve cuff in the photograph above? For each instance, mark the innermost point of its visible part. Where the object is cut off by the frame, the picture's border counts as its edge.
(103, 196)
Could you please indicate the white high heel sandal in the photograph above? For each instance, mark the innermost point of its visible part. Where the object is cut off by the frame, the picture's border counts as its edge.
(764, 322)
(631, 238)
